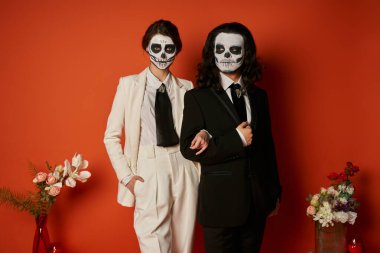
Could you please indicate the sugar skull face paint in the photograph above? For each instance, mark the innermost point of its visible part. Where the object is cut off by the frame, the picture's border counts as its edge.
(162, 51)
(229, 52)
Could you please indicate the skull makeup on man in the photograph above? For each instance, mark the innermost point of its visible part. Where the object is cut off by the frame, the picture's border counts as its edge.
(239, 184)
(229, 52)
(162, 51)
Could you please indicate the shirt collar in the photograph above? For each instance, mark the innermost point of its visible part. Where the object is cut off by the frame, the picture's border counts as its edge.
(155, 83)
(226, 81)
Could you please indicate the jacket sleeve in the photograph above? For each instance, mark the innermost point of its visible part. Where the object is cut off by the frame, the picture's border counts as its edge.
(270, 150)
(220, 149)
(113, 134)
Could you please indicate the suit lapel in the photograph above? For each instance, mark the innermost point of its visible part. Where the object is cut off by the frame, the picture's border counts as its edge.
(251, 93)
(136, 101)
(227, 103)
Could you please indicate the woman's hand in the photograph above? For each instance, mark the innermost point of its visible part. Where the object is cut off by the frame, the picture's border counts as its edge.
(132, 182)
(200, 142)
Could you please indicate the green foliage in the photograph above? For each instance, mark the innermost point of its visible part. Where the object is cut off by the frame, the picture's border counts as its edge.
(48, 186)
(35, 204)
(18, 201)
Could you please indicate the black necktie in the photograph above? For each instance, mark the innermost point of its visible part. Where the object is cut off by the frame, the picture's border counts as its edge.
(166, 135)
(238, 100)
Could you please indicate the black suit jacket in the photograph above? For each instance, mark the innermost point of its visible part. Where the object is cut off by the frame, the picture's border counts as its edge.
(234, 179)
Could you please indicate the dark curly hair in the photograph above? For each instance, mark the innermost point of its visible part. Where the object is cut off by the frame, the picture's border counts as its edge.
(208, 72)
(163, 27)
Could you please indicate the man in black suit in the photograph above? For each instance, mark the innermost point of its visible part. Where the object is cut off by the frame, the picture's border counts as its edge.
(239, 186)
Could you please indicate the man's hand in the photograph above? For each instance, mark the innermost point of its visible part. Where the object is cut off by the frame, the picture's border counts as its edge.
(275, 211)
(200, 142)
(246, 130)
(132, 182)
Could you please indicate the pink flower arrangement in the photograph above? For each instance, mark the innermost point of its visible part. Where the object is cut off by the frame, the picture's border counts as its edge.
(51, 179)
(336, 203)
(49, 186)
(40, 177)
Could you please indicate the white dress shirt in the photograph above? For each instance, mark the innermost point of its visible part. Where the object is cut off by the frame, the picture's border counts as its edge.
(148, 117)
(226, 82)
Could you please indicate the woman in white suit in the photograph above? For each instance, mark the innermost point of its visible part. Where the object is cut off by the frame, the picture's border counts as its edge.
(152, 174)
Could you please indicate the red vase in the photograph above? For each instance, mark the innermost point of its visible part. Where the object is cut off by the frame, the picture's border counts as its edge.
(41, 242)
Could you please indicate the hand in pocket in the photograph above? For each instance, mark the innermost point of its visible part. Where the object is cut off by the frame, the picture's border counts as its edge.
(132, 182)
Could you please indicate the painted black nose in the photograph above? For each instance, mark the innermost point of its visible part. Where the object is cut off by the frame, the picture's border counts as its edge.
(227, 55)
(163, 56)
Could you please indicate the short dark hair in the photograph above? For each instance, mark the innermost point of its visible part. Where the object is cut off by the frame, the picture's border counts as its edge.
(208, 72)
(163, 27)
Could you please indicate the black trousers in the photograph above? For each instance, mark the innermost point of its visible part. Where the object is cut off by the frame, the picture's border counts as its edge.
(242, 239)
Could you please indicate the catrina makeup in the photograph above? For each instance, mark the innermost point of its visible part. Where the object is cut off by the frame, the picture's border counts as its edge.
(229, 52)
(162, 51)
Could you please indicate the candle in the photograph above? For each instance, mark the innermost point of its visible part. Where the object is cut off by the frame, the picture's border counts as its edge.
(56, 248)
(355, 246)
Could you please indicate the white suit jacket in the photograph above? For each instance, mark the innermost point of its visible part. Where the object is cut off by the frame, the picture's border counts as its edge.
(125, 113)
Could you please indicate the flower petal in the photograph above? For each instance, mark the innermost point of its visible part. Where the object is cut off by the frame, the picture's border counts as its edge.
(83, 176)
(56, 174)
(70, 182)
(67, 168)
(58, 168)
(59, 184)
(84, 164)
(77, 160)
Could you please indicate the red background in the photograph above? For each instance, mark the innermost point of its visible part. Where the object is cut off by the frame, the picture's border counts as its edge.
(60, 62)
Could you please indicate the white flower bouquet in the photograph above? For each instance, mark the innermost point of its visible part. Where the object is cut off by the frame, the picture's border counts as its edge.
(336, 203)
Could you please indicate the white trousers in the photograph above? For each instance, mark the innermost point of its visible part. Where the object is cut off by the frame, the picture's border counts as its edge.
(166, 201)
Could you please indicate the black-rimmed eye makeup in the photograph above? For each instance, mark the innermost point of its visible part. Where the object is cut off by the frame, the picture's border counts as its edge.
(219, 49)
(235, 50)
(156, 48)
(170, 48)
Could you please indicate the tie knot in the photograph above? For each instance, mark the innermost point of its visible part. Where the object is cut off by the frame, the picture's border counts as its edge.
(162, 88)
(237, 89)
(235, 86)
